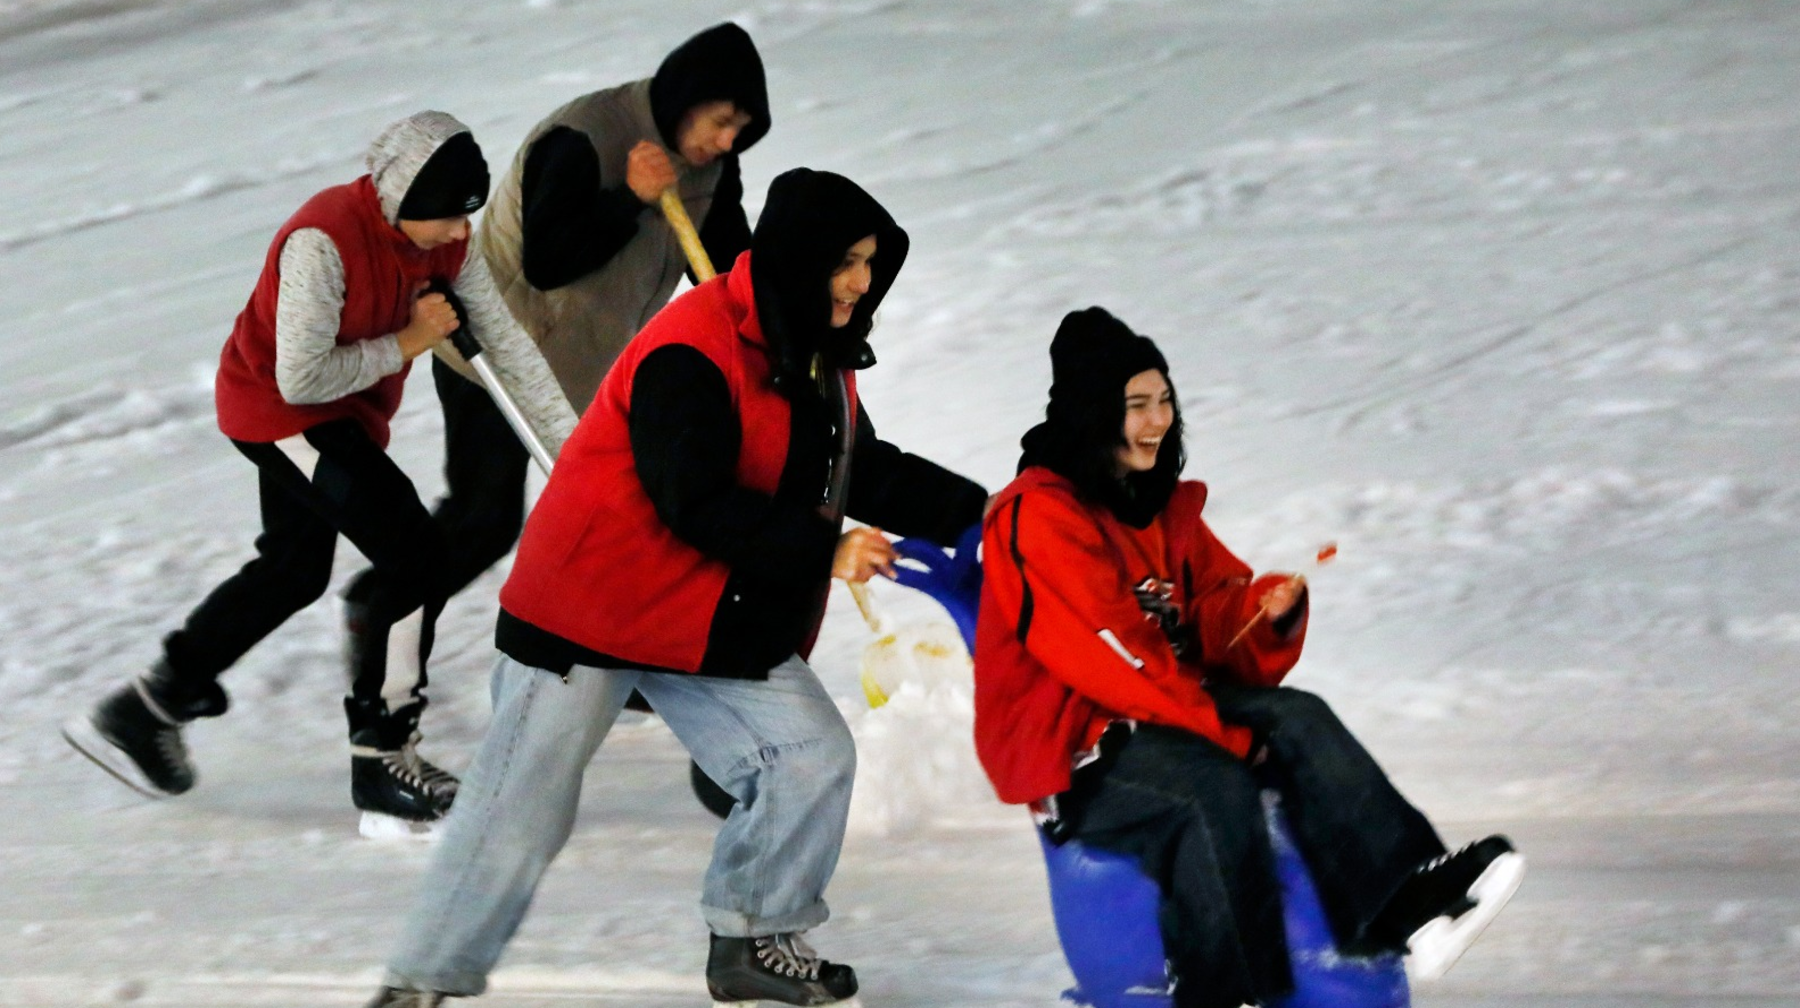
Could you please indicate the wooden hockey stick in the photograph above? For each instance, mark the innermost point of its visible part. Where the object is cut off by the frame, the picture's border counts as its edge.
(683, 226)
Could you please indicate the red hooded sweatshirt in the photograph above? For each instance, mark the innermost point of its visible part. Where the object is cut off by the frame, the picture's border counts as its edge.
(1063, 646)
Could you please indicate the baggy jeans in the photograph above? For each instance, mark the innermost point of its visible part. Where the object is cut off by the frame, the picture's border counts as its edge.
(779, 746)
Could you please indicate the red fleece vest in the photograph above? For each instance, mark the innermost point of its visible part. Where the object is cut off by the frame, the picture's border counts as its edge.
(382, 271)
(596, 566)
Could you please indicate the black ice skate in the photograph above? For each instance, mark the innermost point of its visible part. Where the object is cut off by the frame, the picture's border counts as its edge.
(1441, 909)
(398, 792)
(134, 736)
(394, 997)
(780, 969)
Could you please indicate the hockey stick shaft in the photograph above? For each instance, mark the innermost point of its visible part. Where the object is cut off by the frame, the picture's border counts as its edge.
(683, 226)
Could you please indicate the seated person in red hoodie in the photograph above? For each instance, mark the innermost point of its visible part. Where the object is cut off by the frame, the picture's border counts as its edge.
(1126, 685)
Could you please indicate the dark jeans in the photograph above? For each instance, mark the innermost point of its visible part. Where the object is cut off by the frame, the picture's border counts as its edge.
(331, 480)
(1191, 812)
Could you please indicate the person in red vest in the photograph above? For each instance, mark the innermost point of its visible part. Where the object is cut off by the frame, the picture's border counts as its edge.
(307, 384)
(1127, 671)
(684, 546)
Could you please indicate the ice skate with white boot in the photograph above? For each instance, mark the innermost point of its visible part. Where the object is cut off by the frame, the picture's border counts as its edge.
(774, 970)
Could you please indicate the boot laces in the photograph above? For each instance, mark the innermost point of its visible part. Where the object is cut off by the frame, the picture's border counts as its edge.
(406, 766)
(1447, 857)
(174, 750)
(1438, 862)
(169, 743)
(787, 955)
(429, 776)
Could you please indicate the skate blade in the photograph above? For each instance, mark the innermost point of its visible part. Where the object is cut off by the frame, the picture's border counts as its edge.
(388, 828)
(853, 1001)
(1436, 946)
(81, 734)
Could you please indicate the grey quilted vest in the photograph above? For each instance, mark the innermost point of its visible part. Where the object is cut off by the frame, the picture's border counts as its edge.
(581, 327)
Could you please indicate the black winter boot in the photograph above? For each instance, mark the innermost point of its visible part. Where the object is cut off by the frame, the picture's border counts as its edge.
(779, 968)
(135, 732)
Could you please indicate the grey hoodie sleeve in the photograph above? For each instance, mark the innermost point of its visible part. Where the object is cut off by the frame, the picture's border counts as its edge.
(310, 366)
(516, 360)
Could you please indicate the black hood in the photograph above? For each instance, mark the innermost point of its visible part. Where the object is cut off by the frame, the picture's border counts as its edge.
(1092, 358)
(719, 64)
(809, 220)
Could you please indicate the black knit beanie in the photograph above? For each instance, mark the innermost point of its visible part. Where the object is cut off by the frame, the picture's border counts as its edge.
(1092, 357)
(451, 183)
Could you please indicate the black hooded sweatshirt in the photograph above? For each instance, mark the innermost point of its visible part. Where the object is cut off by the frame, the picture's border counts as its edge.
(572, 226)
(685, 432)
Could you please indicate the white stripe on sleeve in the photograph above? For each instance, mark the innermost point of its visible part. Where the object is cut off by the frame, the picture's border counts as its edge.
(1112, 641)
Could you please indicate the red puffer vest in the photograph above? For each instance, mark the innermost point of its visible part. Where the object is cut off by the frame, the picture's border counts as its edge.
(596, 566)
(382, 271)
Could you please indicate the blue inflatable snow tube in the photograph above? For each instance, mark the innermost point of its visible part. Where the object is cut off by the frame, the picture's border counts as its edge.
(1106, 918)
(1106, 907)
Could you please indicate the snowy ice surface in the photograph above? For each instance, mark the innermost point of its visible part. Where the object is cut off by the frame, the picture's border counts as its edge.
(1500, 295)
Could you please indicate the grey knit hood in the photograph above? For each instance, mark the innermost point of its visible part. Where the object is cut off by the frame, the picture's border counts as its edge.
(396, 156)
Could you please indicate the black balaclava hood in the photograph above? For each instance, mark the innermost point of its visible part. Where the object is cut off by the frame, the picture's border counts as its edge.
(452, 182)
(809, 221)
(1091, 359)
(719, 64)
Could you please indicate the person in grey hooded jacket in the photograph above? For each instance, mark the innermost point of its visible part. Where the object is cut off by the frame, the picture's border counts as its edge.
(307, 383)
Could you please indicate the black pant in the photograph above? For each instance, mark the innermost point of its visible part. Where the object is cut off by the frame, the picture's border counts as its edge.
(1191, 812)
(350, 486)
(483, 507)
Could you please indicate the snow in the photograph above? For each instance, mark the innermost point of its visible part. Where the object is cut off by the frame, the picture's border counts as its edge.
(1499, 295)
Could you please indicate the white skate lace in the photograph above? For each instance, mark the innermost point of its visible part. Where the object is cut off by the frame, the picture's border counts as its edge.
(1445, 858)
(438, 781)
(403, 764)
(787, 955)
(174, 750)
(1438, 862)
(168, 737)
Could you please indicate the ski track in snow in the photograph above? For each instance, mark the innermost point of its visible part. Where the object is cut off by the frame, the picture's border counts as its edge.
(1495, 295)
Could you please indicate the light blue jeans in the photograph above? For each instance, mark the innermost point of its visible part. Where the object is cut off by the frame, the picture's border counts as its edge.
(779, 745)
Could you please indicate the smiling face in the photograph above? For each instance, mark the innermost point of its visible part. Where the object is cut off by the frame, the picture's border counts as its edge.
(1149, 413)
(429, 234)
(709, 130)
(850, 281)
